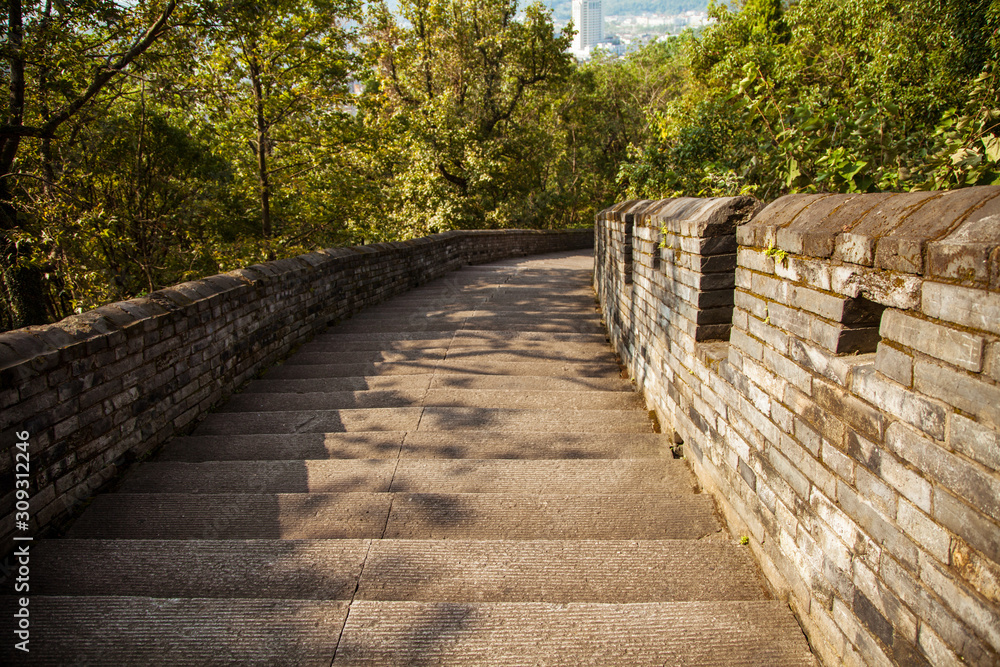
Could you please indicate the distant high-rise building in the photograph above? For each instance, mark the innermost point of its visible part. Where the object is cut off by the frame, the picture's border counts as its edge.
(588, 19)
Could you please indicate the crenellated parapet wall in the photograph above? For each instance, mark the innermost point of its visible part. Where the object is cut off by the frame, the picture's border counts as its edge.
(850, 424)
(96, 391)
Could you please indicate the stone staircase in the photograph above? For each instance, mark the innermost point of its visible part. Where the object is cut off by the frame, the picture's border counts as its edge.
(459, 476)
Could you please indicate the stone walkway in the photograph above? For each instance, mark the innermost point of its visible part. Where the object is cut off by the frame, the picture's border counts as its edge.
(459, 476)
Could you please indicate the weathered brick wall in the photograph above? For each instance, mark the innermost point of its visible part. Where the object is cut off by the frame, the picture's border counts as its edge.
(97, 390)
(851, 424)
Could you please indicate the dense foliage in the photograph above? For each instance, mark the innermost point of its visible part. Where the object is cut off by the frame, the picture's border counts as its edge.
(823, 95)
(147, 142)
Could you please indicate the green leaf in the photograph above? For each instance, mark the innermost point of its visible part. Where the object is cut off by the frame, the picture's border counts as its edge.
(992, 146)
(965, 158)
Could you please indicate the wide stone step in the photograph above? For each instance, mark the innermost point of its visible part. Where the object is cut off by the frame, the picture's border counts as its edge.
(559, 571)
(428, 419)
(292, 569)
(538, 311)
(396, 515)
(532, 445)
(311, 421)
(323, 400)
(460, 338)
(415, 384)
(516, 350)
(330, 476)
(413, 476)
(230, 516)
(285, 447)
(750, 633)
(551, 516)
(352, 342)
(312, 356)
(334, 371)
(463, 366)
(145, 631)
(339, 400)
(539, 477)
(581, 421)
(487, 366)
(417, 570)
(410, 384)
(417, 444)
(551, 400)
(475, 381)
(487, 322)
(505, 350)
(439, 305)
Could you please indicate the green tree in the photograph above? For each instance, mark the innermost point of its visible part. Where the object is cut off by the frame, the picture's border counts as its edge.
(60, 58)
(863, 95)
(455, 111)
(272, 78)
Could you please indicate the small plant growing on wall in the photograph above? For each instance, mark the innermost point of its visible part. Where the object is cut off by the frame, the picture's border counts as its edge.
(776, 253)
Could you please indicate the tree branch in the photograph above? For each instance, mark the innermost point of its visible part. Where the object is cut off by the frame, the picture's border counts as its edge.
(102, 78)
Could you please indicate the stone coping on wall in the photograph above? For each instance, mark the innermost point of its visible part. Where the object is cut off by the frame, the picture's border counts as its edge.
(953, 236)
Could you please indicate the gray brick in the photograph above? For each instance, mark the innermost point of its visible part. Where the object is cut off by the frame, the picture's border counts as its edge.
(841, 464)
(791, 320)
(964, 478)
(847, 528)
(876, 492)
(966, 392)
(962, 349)
(876, 526)
(769, 288)
(755, 260)
(932, 612)
(973, 308)
(815, 273)
(747, 344)
(981, 617)
(874, 655)
(823, 304)
(992, 363)
(975, 441)
(923, 530)
(909, 483)
(981, 573)
(978, 530)
(751, 304)
(824, 423)
(770, 335)
(894, 364)
(820, 361)
(895, 399)
(789, 474)
(856, 413)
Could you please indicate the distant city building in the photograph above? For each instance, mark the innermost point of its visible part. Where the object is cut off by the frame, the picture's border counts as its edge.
(588, 19)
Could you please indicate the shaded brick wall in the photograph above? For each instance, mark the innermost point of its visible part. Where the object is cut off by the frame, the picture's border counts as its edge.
(98, 390)
(850, 424)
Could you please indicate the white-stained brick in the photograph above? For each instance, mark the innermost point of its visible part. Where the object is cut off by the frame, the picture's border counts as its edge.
(928, 416)
(973, 308)
(894, 364)
(980, 616)
(966, 392)
(977, 486)
(962, 349)
(975, 441)
(924, 531)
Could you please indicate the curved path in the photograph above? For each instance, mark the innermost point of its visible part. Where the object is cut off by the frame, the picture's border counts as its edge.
(459, 476)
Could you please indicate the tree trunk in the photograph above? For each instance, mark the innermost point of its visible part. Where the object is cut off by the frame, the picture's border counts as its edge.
(262, 148)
